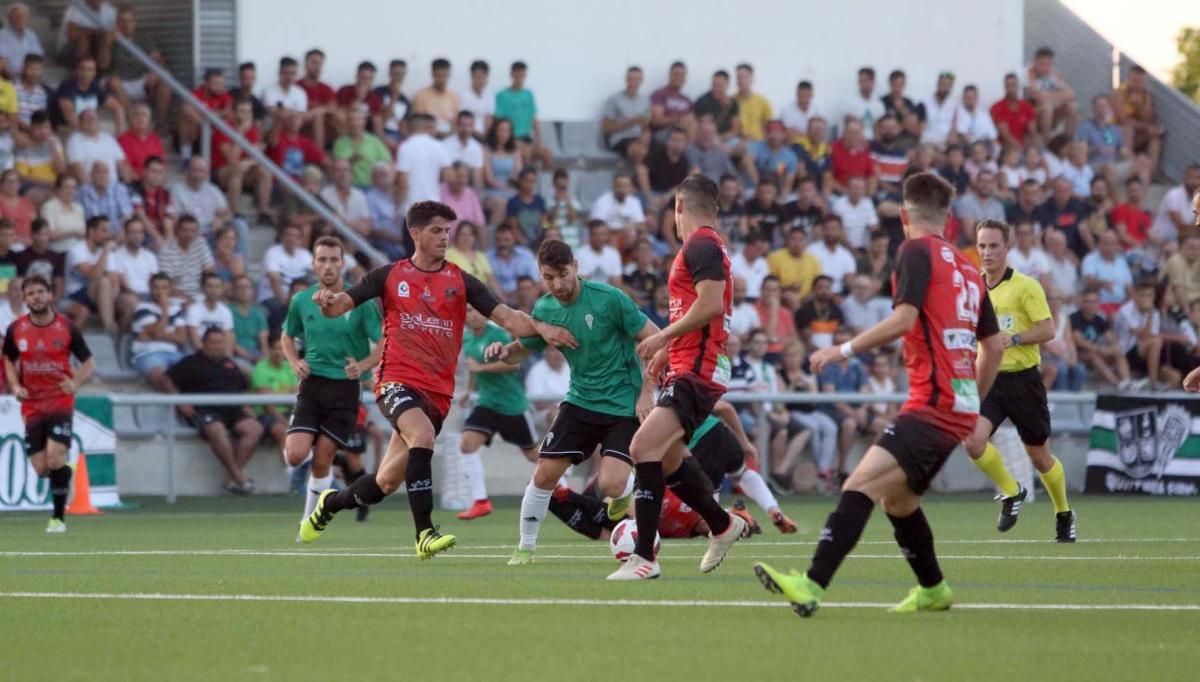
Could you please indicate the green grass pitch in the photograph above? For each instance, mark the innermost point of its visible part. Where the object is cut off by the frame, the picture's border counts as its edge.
(216, 589)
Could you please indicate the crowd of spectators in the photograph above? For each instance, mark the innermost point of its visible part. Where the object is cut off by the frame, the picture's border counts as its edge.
(809, 205)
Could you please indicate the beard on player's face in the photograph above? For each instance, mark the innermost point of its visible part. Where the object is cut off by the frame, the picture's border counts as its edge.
(38, 306)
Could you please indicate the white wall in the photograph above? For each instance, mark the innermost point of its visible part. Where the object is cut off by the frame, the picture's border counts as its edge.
(578, 51)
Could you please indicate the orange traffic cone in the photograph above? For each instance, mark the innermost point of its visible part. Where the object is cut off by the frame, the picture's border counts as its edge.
(81, 504)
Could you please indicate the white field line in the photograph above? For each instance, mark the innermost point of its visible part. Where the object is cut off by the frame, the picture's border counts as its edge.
(577, 557)
(471, 601)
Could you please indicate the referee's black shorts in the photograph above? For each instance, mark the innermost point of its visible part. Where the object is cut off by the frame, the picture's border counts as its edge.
(1021, 397)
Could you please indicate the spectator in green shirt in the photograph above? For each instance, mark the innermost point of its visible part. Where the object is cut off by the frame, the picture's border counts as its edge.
(273, 374)
(516, 104)
(362, 149)
(249, 325)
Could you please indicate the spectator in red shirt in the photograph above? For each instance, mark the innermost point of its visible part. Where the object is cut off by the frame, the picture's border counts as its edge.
(213, 95)
(292, 150)
(156, 209)
(1014, 117)
(234, 168)
(361, 95)
(140, 142)
(1131, 221)
(323, 113)
(851, 159)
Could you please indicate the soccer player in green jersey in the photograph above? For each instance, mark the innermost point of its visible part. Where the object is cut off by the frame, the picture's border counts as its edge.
(501, 408)
(606, 393)
(336, 355)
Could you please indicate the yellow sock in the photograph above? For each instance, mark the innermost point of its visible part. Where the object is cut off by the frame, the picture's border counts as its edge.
(992, 465)
(1056, 486)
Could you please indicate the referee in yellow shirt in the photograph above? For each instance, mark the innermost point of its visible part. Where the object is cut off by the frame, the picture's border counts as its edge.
(1018, 394)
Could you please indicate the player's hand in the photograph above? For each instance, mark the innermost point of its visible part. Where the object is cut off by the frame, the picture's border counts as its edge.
(821, 358)
(645, 403)
(67, 386)
(353, 369)
(651, 345)
(187, 411)
(324, 297)
(496, 351)
(1006, 341)
(657, 364)
(300, 369)
(474, 365)
(557, 336)
(750, 451)
(22, 393)
(1191, 383)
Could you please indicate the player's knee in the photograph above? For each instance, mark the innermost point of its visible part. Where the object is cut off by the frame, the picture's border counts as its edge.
(388, 482)
(422, 438)
(975, 444)
(544, 477)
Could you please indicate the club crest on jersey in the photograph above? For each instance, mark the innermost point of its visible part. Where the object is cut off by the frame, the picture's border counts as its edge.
(589, 319)
(427, 295)
(23, 345)
(41, 345)
(402, 290)
(947, 254)
(452, 292)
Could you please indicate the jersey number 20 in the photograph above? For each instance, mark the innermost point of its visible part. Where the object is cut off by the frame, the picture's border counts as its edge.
(967, 301)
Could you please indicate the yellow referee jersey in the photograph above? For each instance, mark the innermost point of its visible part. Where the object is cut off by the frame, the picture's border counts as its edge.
(1020, 303)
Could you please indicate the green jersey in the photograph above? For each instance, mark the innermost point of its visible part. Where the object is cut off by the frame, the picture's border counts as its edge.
(500, 392)
(274, 379)
(701, 431)
(606, 376)
(328, 341)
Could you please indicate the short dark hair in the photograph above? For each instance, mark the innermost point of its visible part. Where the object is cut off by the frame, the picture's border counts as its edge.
(366, 66)
(205, 277)
(744, 67)
(466, 113)
(817, 280)
(39, 117)
(519, 66)
(397, 62)
(160, 276)
(440, 63)
(33, 59)
(634, 68)
(1146, 283)
(274, 336)
(698, 195)
(721, 73)
(756, 236)
(896, 74)
(209, 331)
(757, 331)
(678, 64)
(1132, 180)
(212, 72)
(38, 225)
(1043, 51)
(93, 223)
(422, 213)
(330, 241)
(994, 224)
(596, 223)
(315, 51)
(34, 280)
(804, 85)
(970, 88)
(1136, 68)
(479, 65)
(526, 172)
(285, 62)
(928, 196)
(555, 254)
(247, 66)
(187, 218)
(867, 71)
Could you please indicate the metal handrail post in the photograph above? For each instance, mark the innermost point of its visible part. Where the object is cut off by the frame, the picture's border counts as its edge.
(170, 455)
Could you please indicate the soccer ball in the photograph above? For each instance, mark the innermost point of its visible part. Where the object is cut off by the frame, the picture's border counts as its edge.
(624, 539)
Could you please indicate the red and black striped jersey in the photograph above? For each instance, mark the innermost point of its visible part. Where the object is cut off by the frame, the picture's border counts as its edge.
(940, 349)
(701, 352)
(43, 357)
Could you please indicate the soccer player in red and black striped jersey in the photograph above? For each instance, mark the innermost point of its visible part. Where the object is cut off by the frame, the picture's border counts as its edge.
(425, 300)
(37, 360)
(692, 348)
(940, 308)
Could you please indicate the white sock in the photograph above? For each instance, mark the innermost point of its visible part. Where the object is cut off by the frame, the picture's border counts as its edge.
(534, 506)
(472, 466)
(756, 488)
(315, 487)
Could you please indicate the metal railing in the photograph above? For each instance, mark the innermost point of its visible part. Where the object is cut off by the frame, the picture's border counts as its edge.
(212, 120)
(171, 425)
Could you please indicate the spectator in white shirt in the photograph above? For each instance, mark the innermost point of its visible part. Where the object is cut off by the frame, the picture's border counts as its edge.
(1138, 325)
(419, 164)
(619, 208)
(209, 312)
(347, 201)
(857, 212)
(130, 266)
(1026, 257)
(837, 262)
(88, 288)
(478, 100)
(199, 197)
(795, 114)
(598, 260)
(17, 39)
(744, 316)
(1064, 269)
(462, 146)
(862, 308)
(973, 123)
(159, 332)
(286, 93)
(282, 264)
(863, 106)
(750, 264)
(89, 144)
(550, 376)
(1174, 215)
(940, 111)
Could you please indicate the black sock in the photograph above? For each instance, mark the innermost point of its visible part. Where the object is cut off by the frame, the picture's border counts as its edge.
(647, 505)
(916, 543)
(419, 476)
(582, 514)
(352, 476)
(363, 492)
(691, 484)
(60, 487)
(842, 530)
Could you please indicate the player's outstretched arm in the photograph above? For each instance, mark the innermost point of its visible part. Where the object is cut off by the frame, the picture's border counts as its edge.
(902, 319)
(333, 304)
(519, 324)
(513, 353)
(710, 302)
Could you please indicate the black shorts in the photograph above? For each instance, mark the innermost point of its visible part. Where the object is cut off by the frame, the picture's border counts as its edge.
(229, 416)
(514, 428)
(720, 454)
(577, 431)
(622, 146)
(395, 399)
(691, 399)
(83, 298)
(357, 442)
(328, 407)
(1021, 397)
(920, 448)
(43, 428)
